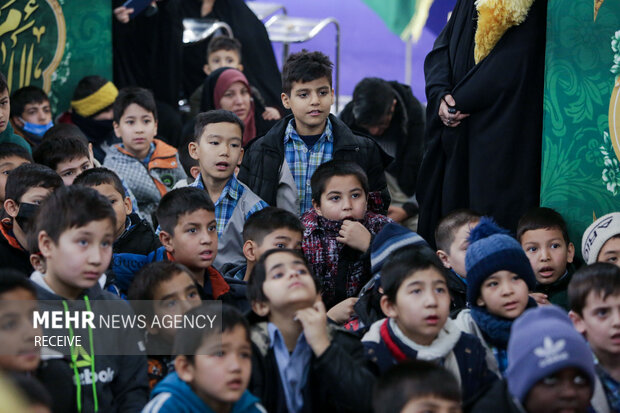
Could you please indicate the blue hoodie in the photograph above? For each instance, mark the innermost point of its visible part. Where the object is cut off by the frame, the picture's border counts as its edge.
(173, 395)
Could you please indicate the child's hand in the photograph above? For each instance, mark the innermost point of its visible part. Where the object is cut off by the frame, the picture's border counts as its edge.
(271, 114)
(342, 312)
(314, 321)
(355, 235)
(122, 14)
(540, 298)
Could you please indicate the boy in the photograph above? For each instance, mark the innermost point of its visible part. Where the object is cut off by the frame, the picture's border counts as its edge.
(543, 235)
(300, 362)
(212, 369)
(31, 114)
(417, 386)
(601, 240)
(217, 147)
(417, 303)
(339, 230)
(594, 296)
(27, 186)
(149, 166)
(451, 240)
(64, 150)
(7, 135)
(499, 278)
(75, 230)
(11, 156)
(278, 166)
(170, 290)
(191, 166)
(132, 234)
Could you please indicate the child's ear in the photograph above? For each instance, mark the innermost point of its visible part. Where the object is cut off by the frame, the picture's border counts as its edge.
(317, 207)
(249, 250)
(117, 130)
(166, 240)
(261, 308)
(445, 258)
(156, 123)
(571, 253)
(184, 368)
(285, 100)
(480, 302)
(128, 205)
(46, 243)
(240, 67)
(194, 171)
(11, 207)
(578, 322)
(388, 308)
(241, 153)
(192, 148)
(206, 69)
(17, 121)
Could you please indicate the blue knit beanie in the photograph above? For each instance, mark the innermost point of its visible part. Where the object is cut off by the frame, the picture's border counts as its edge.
(389, 239)
(491, 249)
(543, 341)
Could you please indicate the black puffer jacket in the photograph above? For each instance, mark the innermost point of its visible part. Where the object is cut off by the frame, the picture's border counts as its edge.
(264, 157)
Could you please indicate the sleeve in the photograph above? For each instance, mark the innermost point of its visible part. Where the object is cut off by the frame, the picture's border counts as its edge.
(162, 403)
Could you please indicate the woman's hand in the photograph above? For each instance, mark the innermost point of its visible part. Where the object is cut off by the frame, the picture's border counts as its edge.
(448, 113)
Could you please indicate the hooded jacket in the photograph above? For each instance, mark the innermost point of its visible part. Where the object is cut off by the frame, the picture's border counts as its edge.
(12, 254)
(121, 383)
(138, 237)
(9, 136)
(173, 395)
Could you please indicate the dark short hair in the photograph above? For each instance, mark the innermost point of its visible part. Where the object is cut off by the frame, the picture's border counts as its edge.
(186, 160)
(3, 83)
(140, 96)
(224, 43)
(87, 86)
(179, 202)
(262, 223)
(600, 278)
(255, 291)
(72, 206)
(405, 261)
(188, 340)
(215, 116)
(101, 176)
(332, 168)
(30, 175)
(64, 130)
(410, 380)
(58, 147)
(11, 280)
(151, 276)
(542, 218)
(305, 67)
(12, 149)
(24, 96)
(372, 99)
(450, 224)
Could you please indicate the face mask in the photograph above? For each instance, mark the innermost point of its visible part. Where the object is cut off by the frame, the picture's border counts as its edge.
(35, 129)
(25, 215)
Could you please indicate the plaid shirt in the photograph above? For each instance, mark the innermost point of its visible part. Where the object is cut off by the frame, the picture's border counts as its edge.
(226, 203)
(611, 387)
(303, 161)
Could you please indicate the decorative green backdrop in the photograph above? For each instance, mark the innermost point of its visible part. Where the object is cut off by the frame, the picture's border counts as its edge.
(54, 43)
(580, 168)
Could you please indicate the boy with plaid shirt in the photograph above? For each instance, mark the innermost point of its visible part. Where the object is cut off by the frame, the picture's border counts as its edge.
(278, 166)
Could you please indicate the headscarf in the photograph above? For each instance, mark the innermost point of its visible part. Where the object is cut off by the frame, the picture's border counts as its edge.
(216, 85)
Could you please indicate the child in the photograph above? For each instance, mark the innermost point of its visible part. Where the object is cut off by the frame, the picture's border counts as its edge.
(7, 135)
(149, 166)
(543, 235)
(499, 277)
(191, 166)
(27, 186)
(339, 231)
(417, 386)
(594, 296)
(601, 240)
(278, 166)
(170, 290)
(217, 147)
(75, 228)
(300, 362)
(11, 156)
(64, 150)
(212, 369)
(31, 115)
(132, 234)
(451, 240)
(417, 303)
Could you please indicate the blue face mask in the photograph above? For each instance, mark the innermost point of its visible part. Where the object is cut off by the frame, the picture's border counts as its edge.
(35, 129)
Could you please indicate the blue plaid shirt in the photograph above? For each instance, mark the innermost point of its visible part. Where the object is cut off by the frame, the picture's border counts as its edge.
(303, 161)
(226, 203)
(611, 387)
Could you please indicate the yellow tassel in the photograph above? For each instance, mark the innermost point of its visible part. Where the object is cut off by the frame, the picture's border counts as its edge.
(495, 17)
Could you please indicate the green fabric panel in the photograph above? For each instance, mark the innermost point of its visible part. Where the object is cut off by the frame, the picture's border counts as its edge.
(395, 13)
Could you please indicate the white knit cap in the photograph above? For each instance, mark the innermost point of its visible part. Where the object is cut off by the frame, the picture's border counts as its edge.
(597, 234)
